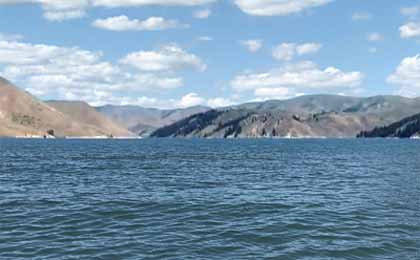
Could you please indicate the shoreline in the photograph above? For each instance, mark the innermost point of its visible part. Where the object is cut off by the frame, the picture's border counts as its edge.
(72, 137)
(199, 138)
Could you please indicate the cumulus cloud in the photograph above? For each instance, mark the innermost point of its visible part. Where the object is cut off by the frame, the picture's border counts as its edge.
(168, 58)
(407, 76)
(253, 45)
(287, 51)
(59, 10)
(64, 15)
(278, 7)
(308, 48)
(284, 51)
(127, 3)
(202, 14)
(303, 76)
(193, 99)
(123, 23)
(361, 16)
(74, 73)
(375, 37)
(410, 30)
(188, 100)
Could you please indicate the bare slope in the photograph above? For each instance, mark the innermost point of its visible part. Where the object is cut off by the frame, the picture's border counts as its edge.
(84, 113)
(21, 114)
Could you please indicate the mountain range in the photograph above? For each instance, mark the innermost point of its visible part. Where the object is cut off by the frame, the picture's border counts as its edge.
(306, 116)
(21, 114)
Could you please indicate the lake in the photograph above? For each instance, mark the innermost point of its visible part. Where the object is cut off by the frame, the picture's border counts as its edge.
(209, 199)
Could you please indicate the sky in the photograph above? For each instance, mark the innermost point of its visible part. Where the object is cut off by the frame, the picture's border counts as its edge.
(179, 53)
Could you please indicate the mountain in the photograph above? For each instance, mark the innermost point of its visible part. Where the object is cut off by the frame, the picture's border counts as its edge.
(21, 114)
(307, 116)
(143, 121)
(84, 113)
(406, 128)
(334, 103)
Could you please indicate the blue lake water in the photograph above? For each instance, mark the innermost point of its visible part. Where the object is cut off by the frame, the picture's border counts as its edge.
(209, 199)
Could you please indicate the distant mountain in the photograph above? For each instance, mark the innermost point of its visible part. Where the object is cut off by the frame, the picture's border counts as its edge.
(21, 114)
(307, 116)
(84, 113)
(406, 128)
(143, 121)
(335, 103)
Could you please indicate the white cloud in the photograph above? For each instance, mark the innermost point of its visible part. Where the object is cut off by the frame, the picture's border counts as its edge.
(59, 10)
(127, 3)
(205, 38)
(287, 51)
(253, 45)
(190, 100)
(168, 58)
(202, 14)
(219, 102)
(284, 51)
(193, 99)
(64, 15)
(74, 73)
(407, 76)
(411, 11)
(123, 23)
(10, 37)
(278, 7)
(303, 75)
(373, 50)
(410, 30)
(361, 16)
(308, 48)
(375, 37)
(273, 93)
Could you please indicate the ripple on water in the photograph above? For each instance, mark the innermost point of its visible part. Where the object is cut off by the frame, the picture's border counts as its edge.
(209, 199)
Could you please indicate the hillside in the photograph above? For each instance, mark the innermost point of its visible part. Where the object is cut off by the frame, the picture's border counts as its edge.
(21, 114)
(84, 113)
(143, 121)
(308, 116)
(407, 128)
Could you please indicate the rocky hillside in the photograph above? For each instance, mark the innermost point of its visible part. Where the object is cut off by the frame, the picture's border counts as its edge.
(309, 116)
(407, 128)
(143, 121)
(21, 114)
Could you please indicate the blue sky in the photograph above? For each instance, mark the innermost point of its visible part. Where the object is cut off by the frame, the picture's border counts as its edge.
(177, 53)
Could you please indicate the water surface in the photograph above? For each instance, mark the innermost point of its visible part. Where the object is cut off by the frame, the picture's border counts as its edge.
(209, 199)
